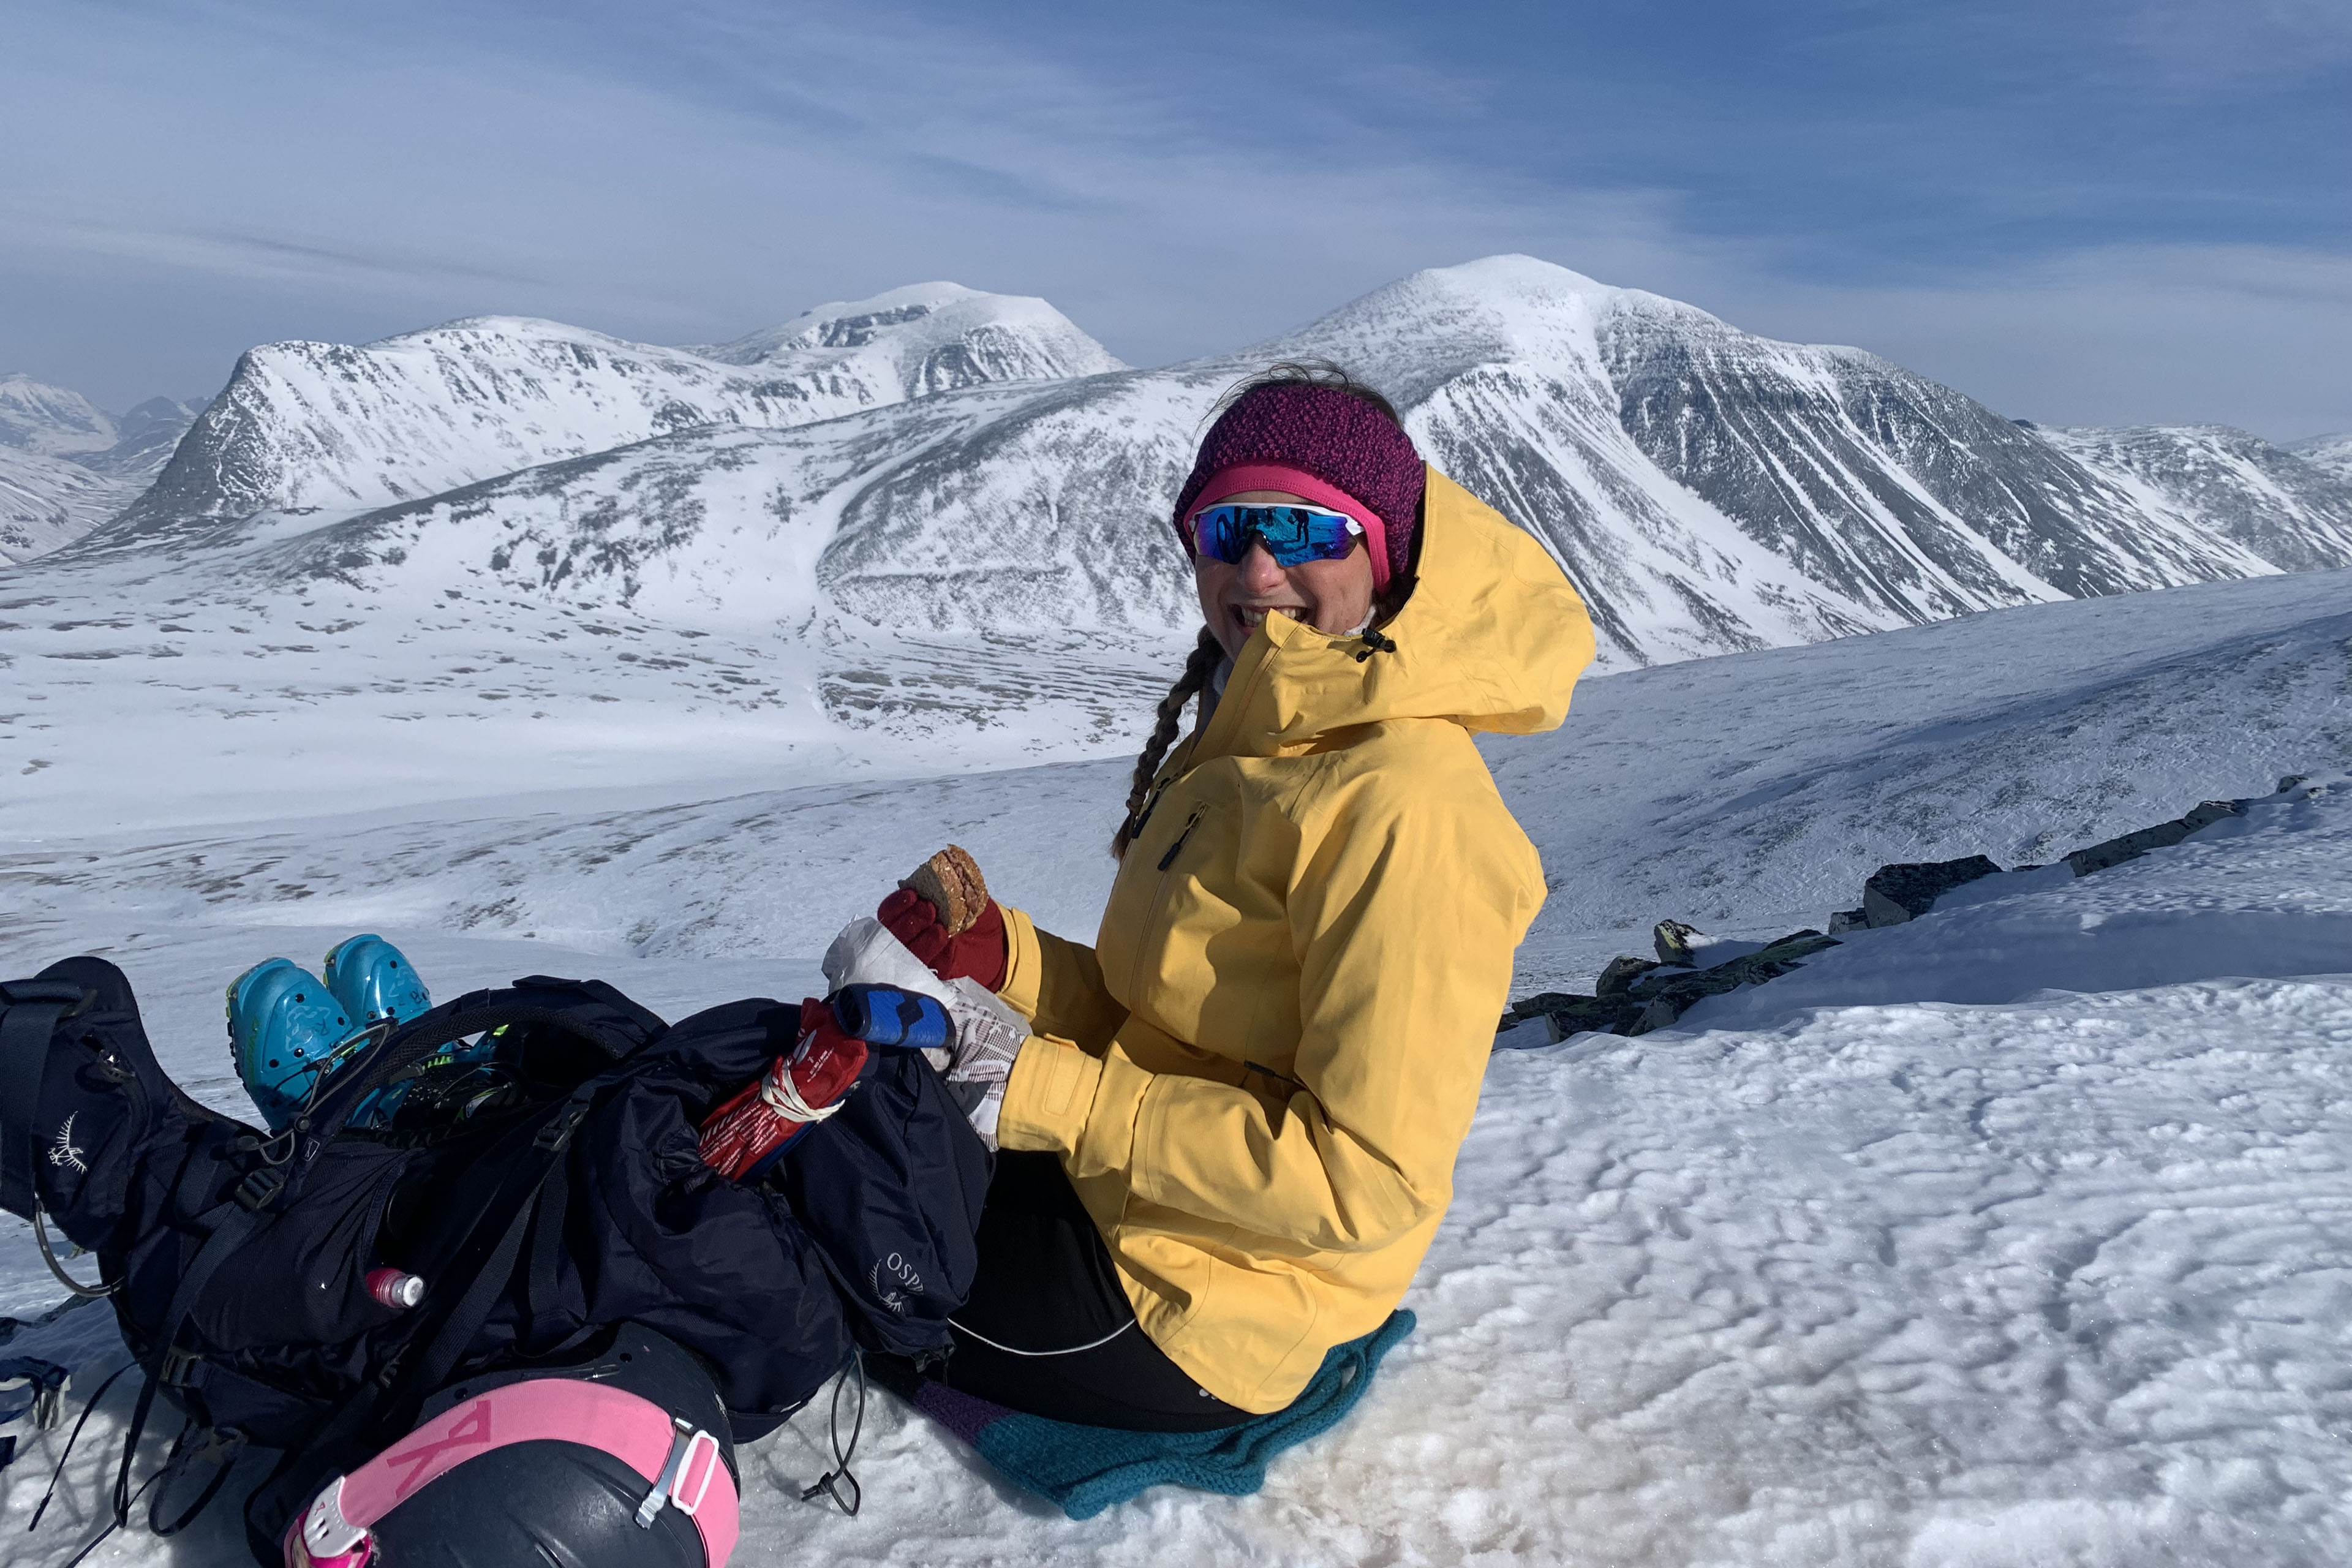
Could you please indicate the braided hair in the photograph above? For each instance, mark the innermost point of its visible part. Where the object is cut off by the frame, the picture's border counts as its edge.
(1201, 663)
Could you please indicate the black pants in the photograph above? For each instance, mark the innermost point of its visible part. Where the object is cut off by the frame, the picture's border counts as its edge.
(1047, 1329)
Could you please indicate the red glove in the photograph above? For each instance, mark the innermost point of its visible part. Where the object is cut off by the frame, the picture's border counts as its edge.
(745, 1134)
(979, 952)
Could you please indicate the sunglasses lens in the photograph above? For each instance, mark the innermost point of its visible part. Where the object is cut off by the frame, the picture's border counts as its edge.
(1291, 534)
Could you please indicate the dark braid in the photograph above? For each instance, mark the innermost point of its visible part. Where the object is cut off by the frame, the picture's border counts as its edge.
(1201, 664)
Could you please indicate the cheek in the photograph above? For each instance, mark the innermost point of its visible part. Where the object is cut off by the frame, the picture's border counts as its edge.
(1340, 590)
(1213, 579)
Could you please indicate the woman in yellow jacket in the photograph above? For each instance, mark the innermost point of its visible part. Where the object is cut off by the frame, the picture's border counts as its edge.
(1230, 1136)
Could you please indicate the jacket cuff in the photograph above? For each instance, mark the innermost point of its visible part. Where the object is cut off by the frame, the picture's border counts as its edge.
(1048, 1096)
(1024, 964)
(1077, 1104)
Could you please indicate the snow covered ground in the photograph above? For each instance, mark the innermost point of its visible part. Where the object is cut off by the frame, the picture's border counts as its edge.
(2020, 1234)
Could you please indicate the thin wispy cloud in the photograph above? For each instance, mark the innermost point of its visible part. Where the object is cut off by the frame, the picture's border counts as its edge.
(259, 258)
(1181, 180)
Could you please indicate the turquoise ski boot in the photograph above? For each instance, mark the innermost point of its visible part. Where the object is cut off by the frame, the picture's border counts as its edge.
(283, 1028)
(375, 981)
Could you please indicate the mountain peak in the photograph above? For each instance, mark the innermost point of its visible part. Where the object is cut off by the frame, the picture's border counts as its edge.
(1410, 336)
(335, 426)
(1028, 338)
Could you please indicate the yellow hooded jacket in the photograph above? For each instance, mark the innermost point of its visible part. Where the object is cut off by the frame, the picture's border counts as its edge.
(1258, 1077)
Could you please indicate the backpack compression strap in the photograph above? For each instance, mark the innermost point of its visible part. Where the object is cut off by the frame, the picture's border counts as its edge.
(485, 1258)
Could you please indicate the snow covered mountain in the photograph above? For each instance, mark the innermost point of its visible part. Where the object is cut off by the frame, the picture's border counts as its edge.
(66, 465)
(48, 502)
(862, 590)
(144, 439)
(2333, 453)
(1709, 491)
(2285, 509)
(308, 426)
(933, 337)
(54, 422)
(50, 420)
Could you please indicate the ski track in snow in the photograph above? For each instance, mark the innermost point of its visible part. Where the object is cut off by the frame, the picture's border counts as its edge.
(2020, 1234)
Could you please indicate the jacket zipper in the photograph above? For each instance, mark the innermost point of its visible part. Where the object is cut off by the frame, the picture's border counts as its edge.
(1191, 823)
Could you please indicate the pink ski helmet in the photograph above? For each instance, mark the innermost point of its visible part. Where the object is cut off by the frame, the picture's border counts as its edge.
(621, 1462)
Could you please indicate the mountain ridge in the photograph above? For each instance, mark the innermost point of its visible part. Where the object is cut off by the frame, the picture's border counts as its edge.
(325, 425)
(1709, 489)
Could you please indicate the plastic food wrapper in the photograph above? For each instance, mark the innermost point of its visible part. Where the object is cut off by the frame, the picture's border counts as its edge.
(747, 1134)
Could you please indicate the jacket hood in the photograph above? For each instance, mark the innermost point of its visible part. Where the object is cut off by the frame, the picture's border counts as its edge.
(1493, 638)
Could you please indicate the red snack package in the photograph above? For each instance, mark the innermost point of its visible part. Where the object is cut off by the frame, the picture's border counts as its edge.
(745, 1134)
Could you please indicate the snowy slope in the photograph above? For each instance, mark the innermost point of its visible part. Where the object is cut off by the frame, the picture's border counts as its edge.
(144, 439)
(1905, 1260)
(66, 465)
(1914, 499)
(45, 502)
(362, 700)
(2290, 511)
(1753, 795)
(2333, 453)
(305, 426)
(50, 420)
(1750, 794)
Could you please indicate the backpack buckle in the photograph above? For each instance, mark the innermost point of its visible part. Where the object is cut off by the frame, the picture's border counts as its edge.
(180, 1369)
(260, 1187)
(558, 1132)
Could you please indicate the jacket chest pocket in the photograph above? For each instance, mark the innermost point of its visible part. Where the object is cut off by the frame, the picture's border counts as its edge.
(1162, 886)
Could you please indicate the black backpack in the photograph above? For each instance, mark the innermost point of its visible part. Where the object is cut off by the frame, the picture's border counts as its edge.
(536, 1226)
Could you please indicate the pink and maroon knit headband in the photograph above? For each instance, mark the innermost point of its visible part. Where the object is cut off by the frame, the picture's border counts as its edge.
(1334, 449)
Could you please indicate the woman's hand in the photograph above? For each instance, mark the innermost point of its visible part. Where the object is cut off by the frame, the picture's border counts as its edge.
(978, 952)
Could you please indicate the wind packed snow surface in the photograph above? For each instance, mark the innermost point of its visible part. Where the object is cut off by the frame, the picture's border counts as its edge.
(2020, 1234)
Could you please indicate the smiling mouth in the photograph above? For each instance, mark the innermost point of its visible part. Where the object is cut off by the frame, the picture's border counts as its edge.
(1252, 617)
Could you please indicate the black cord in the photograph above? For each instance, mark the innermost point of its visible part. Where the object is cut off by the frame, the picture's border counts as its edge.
(74, 1437)
(830, 1484)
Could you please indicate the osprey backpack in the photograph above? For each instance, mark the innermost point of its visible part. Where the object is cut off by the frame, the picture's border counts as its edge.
(238, 1262)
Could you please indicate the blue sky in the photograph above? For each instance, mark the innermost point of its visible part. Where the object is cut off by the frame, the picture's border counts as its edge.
(2081, 211)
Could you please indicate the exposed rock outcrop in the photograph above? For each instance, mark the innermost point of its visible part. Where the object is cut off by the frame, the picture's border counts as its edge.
(1635, 995)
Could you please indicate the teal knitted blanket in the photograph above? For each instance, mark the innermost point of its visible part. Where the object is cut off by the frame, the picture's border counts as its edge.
(1086, 1469)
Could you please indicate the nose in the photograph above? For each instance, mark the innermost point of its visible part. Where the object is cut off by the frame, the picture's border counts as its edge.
(1258, 572)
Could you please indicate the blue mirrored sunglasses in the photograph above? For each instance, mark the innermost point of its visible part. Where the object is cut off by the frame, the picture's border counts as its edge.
(1292, 535)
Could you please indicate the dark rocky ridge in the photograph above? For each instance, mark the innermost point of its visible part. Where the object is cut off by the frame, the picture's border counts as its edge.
(1635, 997)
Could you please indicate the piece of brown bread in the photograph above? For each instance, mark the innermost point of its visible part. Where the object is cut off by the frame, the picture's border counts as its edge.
(950, 883)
